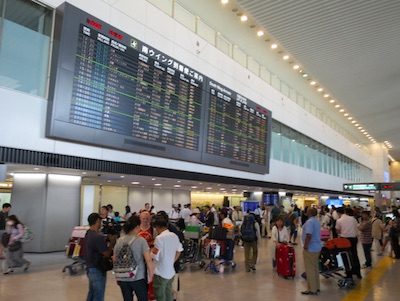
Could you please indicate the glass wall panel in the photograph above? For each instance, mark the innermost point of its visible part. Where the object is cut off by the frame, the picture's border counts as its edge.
(25, 47)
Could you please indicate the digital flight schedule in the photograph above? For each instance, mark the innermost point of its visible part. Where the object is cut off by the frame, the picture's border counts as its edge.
(110, 89)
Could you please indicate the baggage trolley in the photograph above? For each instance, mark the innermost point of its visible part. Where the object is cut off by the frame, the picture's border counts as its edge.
(335, 258)
(75, 249)
(221, 251)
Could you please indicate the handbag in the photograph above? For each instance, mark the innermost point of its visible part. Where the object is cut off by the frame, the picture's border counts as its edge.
(15, 246)
(5, 239)
(105, 264)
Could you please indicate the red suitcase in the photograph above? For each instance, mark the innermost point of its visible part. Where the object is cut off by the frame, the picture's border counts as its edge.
(285, 261)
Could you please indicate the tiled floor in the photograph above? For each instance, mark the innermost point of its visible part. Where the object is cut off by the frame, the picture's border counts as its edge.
(45, 281)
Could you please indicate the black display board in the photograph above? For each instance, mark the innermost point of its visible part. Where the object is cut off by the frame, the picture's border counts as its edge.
(110, 89)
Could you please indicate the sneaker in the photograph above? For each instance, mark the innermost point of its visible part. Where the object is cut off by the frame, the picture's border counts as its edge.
(253, 267)
(26, 266)
(9, 271)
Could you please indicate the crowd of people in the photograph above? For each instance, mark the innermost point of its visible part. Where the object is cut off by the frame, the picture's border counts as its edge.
(156, 240)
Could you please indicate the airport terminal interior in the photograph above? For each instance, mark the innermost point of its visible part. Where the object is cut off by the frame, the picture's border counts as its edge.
(225, 102)
(45, 281)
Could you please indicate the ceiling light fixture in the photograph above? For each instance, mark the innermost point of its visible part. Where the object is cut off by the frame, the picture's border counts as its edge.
(332, 101)
(353, 121)
(337, 106)
(341, 110)
(274, 46)
(224, 1)
(326, 95)
(260, 33)
(305, 75)
(243, 18)
(320, 90)
(285, 57)
(295, 67)
(313, 83)
(350, 118)
(346, 114)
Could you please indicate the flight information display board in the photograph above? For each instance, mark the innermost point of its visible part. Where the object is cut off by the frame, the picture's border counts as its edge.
(110, 89)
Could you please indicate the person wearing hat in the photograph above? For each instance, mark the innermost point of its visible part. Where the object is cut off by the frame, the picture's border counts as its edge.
(194, 218)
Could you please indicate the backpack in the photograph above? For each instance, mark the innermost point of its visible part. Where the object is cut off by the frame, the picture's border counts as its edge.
(125, 264)
(248, 229)
(27, 236)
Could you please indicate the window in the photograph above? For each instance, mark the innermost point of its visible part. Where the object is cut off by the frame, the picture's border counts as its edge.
(25, 29)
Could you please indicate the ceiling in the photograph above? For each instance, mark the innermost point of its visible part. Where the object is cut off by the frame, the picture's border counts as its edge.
(350, 48)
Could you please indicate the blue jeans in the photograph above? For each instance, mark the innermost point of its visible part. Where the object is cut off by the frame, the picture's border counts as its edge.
(97, 284)
(367, 253)
(163, 288)
(138, 287)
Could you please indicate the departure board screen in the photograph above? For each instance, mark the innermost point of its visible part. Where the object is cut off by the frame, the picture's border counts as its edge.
(237, 127)
(111, 89)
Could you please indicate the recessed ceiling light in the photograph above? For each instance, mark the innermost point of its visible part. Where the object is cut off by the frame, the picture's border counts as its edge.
(36, 168)
(285, 57)
(295, 67)
(177, 186)
(320, 90)
(332, 101)
(326, 95)
(353, 121)
(305, 75)
(194, 187)
(341, 110)
(356, 124)
(360, 127)
(274, 46)
(122, 177)
(337, 106)
(260, 33)
(109, 181)
(84, 172)
(346, 114)
(157, 184)
(243, 18)
(350, 118)
(224, 1)
(313, 83)
(153, 179)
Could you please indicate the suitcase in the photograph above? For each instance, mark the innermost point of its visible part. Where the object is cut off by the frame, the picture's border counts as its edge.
(325, 234)
(286, 261)
(338, 243)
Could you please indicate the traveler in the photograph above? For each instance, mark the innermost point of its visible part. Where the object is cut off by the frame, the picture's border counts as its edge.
(377, 225)
(15, 258)
(366, 239)
(311, 249)
(166, 251)
(250, 231)
(95, 248)
(279, 236)
(208, 216)
(3, 219)
(141, 253)
(347, 227)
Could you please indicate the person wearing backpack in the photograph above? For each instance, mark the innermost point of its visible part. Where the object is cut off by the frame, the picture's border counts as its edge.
(130, 254)
(250, 233)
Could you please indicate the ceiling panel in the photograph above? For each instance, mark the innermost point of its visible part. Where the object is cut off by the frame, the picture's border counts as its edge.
(352, 48)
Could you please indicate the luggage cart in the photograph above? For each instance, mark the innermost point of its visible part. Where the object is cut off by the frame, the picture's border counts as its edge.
(335, 257)
(220, 254)
(192, 247)
(75, 249)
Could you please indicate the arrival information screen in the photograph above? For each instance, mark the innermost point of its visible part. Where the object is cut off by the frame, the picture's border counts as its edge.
(110, 89)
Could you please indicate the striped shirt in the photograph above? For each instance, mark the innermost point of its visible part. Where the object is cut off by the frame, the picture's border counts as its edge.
(365, 228)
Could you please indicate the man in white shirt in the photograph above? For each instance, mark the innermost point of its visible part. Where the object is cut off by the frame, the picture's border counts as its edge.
(174, 214)
(166, 251)
(347, 227)
(185, 214)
